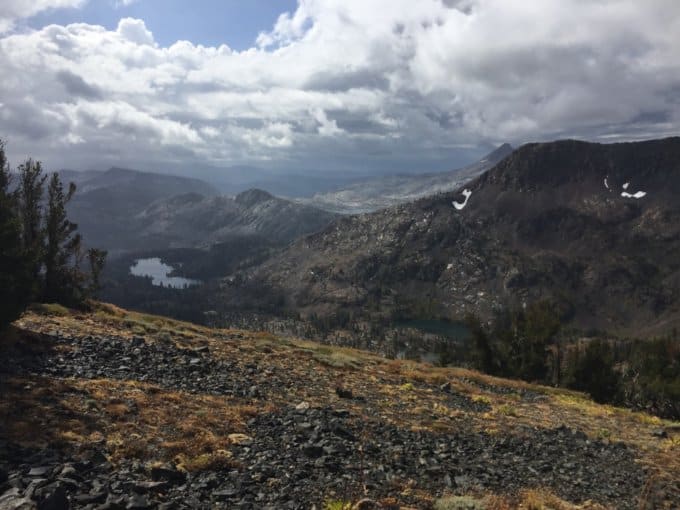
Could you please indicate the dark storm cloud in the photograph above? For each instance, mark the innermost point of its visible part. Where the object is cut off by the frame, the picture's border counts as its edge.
(360, 79)
(339, 82)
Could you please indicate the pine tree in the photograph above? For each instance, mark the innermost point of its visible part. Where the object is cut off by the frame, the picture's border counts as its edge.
(14, 271)
(96, 259)
(30, 208)
(63, 280)
(595, 372)
(40, 249)
(482, 352)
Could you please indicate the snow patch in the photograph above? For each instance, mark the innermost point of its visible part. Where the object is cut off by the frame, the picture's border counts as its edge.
(625, 186)
(460, 206)
(449, 267)
(638, 194)
(606, 183)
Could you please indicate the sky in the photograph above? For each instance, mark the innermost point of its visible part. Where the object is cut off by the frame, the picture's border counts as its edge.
(328, 86)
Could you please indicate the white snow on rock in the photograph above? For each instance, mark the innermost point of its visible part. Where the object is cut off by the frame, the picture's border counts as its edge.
(606, 183)
(625, 186)
(449, 267)
(638, 194)
(458, 205)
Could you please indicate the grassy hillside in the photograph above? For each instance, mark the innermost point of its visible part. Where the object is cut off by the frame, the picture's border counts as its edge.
(139, 409)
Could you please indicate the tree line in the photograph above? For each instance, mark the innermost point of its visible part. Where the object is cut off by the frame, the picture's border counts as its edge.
(42, 257)
(528, 343)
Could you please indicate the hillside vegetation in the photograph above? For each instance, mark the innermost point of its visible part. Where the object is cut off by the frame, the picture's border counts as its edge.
(115, 409)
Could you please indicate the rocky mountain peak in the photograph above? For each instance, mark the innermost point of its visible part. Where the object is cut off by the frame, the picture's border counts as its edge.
(252, 197)
(537, 166)
(499, 153)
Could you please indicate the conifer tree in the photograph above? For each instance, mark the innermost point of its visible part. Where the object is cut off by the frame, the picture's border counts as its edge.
(63, 280)
(30, 209)
(14, 271)
(96, 259)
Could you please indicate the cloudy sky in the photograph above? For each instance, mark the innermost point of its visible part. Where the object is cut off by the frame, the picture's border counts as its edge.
(326, 85)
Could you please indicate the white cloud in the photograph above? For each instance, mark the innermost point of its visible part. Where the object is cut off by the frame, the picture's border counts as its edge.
(379, 81)
(13, 10)
(326, 127)
(135, 31)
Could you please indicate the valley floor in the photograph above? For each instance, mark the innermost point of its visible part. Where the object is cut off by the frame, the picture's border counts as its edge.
(114, 409)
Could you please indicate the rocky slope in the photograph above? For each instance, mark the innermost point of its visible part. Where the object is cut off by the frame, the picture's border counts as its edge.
(120, 410)
(193, 220)
(381, 192)
(594, 227)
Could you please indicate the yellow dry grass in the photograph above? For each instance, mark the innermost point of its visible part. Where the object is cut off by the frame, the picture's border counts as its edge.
(128, 418)
(132, 419)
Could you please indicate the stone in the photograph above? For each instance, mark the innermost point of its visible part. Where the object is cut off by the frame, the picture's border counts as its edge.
(144, 487)
(55, 500)
(94, 497)
(13, 500)
(138, 502)
(224, 494)
(343, 393)
(39, 471)
(312, 451)
(171, 475)
(68, 471)
(302, 406)
(660, 433)
(138, 341)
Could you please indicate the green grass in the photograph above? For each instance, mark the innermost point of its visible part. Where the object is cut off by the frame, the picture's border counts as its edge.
(50, 309)
(507, 410)
(334, 357)
(337, 505)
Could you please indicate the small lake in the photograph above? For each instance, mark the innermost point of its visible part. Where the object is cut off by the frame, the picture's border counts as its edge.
(451, 336)
(159, 273)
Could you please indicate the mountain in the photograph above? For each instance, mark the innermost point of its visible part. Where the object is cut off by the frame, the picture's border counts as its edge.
(105, 202)
(381, 192)
(595, 228)
(145, 186)
(192, 220)
(116, 409)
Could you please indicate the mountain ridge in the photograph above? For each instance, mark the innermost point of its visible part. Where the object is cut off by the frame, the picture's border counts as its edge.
(369, 195)
(541, 224)
(195, 220)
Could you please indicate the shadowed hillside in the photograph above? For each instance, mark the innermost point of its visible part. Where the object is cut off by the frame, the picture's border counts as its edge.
(594, 228)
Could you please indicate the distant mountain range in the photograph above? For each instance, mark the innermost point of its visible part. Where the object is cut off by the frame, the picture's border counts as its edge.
(194, 220)
(595, 228)
(140, 187)
(126, 210)
(106, 203)
(380, 192)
